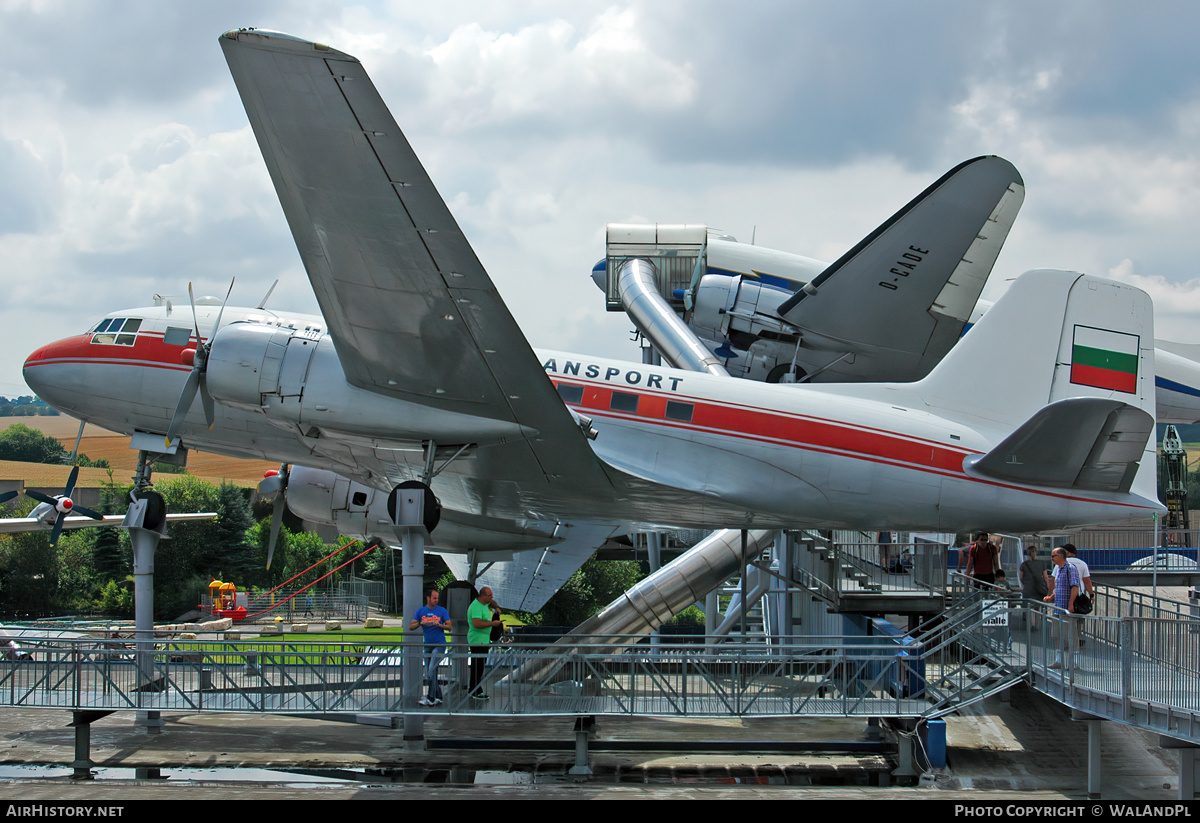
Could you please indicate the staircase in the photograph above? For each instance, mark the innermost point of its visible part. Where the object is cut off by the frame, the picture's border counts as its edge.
(966, 657)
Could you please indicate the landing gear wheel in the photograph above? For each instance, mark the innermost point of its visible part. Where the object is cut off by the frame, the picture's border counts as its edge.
(776, 374)
(433, 507)
(156, 509)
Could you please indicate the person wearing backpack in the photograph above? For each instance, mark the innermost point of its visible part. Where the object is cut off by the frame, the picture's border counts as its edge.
(983, 560)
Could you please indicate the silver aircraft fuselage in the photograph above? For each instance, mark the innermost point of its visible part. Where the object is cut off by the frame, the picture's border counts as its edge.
(698, 451)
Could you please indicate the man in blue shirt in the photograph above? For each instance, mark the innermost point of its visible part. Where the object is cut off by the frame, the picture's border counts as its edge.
(434, 622)
(1066, 589)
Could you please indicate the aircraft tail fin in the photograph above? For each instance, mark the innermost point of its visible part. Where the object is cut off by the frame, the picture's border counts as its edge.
(926, 266)
(1064, 362)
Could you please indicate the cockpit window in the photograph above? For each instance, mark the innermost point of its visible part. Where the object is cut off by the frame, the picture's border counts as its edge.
(119, 331)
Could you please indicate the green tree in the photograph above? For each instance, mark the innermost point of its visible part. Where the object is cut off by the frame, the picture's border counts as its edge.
(197, 552)
(28, 571)
(116, 598)
(20, 442)
(76, 576)
(112, 554)
(594, 586)
(231, 549)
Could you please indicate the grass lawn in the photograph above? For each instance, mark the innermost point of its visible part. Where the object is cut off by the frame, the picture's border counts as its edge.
(297, 647)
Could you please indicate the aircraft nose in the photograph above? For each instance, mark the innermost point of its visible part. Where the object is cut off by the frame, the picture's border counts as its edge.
(30, 370)
(37, 356)
(48, 370)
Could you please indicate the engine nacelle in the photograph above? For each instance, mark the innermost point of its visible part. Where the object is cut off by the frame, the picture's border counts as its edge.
(294, 376)
(322, 496)
(251, 362)
(739, 309)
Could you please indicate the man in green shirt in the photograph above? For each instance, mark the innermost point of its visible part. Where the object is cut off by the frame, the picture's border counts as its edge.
(479, 635)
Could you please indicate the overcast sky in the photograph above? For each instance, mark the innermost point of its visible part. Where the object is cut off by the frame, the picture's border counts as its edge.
(127, 167)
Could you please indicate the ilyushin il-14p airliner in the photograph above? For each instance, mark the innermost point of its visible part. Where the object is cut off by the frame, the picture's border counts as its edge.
(1041, 417)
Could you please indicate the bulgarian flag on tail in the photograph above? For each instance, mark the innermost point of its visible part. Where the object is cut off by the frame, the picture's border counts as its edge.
(1105, 359)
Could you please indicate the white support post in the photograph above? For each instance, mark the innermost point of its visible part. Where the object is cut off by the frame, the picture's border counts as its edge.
(410, 529)
(144, 537)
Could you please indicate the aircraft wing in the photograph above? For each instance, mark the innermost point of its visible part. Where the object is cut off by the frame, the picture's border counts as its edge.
(20, 525)
(532, 577)
(411, 311)
(901, 296)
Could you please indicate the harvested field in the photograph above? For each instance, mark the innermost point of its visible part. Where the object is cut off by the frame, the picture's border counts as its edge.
(98, 442)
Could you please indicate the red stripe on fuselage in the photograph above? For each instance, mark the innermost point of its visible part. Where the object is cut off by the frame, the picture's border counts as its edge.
(803, 431)
(728, 419)
(147, 350)
(780, 427)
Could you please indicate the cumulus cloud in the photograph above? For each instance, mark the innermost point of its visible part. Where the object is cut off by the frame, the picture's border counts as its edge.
(548, 71)
(126, 166)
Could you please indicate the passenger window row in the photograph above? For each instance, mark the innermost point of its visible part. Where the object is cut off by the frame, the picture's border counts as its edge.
(626, 402)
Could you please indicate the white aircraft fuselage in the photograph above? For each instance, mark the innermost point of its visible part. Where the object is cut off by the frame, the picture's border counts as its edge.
(717, 452)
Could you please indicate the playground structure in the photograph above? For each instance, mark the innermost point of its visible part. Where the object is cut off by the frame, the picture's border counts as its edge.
(284, 600)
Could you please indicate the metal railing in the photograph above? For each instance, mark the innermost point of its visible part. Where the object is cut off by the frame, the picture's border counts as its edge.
(1135, 538)
(1118, 601)
(300, 606)
(1136, 659)
(924, 565)
(377, 593)
(815, 676)
(1138, 667)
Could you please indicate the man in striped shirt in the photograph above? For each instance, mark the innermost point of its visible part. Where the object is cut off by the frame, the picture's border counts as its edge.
(1066, 589)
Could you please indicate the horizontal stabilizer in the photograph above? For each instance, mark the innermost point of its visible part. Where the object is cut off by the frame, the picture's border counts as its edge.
(1084, 443)
(20, 525)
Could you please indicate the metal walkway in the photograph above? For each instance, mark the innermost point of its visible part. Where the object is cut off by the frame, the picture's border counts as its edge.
(1136, 660)
(883, 676)
(1139, 665)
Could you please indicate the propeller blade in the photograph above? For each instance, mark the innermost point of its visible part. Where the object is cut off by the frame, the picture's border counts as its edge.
(195, 319)
(270, 486)
(276, 485)
(186, 398)
(78, 509)
(210, 411)
(197, 380)
(4, 498)
(276, 523)
(71, 481)
(217, 325)
(41, 498)
(58, 522)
